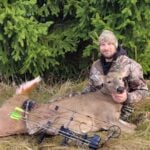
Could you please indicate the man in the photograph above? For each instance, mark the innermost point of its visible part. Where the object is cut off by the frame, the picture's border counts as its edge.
(112, 59)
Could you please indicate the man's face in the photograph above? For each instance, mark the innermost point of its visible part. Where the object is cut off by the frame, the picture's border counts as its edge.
(107, 49)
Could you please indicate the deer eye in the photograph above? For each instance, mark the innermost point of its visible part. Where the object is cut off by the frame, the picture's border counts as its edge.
(108, 81)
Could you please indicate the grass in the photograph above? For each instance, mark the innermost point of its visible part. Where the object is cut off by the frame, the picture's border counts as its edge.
(138, 141)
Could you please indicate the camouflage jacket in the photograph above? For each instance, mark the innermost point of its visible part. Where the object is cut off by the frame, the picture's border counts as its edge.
(132, 72)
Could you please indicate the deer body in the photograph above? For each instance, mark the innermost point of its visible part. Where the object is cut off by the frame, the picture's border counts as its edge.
(81, 113)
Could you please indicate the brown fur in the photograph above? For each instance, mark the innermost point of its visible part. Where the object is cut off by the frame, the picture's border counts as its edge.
(9, 126)
(90, 112)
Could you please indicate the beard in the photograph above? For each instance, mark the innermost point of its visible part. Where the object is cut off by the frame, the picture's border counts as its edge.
(109, 57)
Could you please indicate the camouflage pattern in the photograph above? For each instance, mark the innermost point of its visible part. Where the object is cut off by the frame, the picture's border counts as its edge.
(132, 73)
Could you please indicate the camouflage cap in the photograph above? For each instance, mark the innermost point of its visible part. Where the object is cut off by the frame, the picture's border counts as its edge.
(108, 36)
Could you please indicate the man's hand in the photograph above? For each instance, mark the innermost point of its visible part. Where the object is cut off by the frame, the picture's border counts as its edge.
(120, 98)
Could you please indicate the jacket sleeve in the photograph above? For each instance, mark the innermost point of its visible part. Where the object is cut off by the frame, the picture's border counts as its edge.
(137, 86)
(95, 80)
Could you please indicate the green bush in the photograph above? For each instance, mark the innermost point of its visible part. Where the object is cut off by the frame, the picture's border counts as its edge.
(59, 37)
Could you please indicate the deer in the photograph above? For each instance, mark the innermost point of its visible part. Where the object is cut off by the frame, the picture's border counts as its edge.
(82, 113)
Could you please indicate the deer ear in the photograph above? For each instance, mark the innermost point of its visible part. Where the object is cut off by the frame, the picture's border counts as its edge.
(101, 80)
(97, 79)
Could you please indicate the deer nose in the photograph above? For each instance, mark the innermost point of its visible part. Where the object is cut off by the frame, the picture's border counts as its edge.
(120, 89)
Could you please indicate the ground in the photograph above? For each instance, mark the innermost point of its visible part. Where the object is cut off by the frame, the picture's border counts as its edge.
(138, 141)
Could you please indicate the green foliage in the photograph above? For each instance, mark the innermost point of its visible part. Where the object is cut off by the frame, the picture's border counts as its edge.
(21, 49)
(61, 36)
(145, 58)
